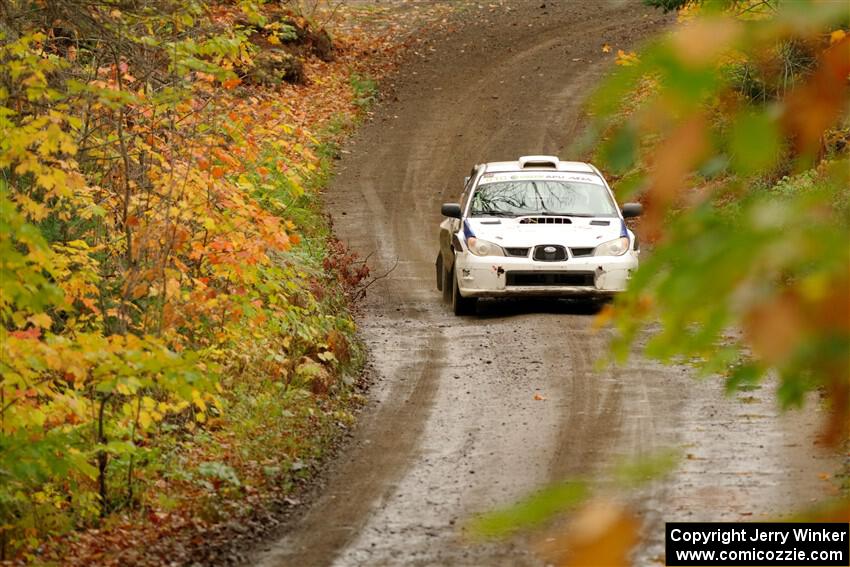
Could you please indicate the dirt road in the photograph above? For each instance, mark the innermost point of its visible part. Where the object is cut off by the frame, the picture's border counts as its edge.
(453, 427)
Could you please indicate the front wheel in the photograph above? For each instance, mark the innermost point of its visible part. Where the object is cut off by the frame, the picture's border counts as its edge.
(446, 287)
(461, 305)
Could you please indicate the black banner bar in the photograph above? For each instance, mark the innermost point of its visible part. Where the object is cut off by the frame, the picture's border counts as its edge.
(760, 544)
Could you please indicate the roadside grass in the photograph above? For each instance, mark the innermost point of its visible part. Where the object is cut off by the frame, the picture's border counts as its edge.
(365, 90)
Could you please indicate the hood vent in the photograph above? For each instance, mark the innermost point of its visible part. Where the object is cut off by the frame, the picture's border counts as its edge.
(545, 220)
(600, 223)
(545, 162)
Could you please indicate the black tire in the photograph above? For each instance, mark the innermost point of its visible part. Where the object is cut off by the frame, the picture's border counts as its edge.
(441, 278)
(461, 305)
(447, 276)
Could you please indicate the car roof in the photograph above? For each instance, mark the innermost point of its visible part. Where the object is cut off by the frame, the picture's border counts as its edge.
(539, 163)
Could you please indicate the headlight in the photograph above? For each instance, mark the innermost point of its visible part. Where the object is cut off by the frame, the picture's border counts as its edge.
(481, 247)
(616, 247)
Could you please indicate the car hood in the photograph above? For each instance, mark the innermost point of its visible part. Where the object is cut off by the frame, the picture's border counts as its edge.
(578, 232)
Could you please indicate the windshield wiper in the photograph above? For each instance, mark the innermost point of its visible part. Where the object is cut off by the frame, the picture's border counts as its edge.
(553, 214)
(492, 214)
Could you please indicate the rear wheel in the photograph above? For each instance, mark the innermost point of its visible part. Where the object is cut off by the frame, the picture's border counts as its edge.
(461, 305)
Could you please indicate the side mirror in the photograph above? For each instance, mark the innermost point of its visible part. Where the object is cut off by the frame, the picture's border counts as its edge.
(451, 210)
(631, 210)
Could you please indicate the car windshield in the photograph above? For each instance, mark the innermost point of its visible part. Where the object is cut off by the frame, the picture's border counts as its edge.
(539, 197)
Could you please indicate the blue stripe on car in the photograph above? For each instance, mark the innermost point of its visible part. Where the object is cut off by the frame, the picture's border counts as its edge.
(467, 230)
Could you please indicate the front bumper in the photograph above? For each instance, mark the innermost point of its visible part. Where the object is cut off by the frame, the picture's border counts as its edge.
(504, 276)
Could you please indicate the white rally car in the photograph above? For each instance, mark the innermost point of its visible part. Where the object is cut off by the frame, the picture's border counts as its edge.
(535, 226)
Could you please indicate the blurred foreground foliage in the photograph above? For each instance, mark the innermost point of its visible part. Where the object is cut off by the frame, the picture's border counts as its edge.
(601, 528)
(733, 131)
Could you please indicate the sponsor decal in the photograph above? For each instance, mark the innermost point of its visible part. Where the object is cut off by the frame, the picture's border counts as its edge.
(539, 176)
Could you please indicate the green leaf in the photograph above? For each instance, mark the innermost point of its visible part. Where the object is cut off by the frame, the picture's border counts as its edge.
(619, 153)
(531, 512)
(754, 143)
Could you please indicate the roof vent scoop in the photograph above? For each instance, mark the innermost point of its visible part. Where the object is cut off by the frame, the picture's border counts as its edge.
(547, 162)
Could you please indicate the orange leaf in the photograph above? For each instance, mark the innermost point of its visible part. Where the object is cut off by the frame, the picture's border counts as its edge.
(774, 328)
(217, 172)
(31, 333)
(225, 157)
(139, 291)
(674, 159)
(603, 533)
(231, 83)
(813, 107)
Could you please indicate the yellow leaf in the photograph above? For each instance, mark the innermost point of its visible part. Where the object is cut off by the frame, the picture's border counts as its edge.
(603, 318)
(144, 419)
(606, 48)
(626, 59)
(41, 320)
(837, 36)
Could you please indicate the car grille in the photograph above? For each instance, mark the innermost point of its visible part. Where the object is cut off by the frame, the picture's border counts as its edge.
(579, 252)
(550, 253)
(545, 220)
(518, 252)
(553, 279)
